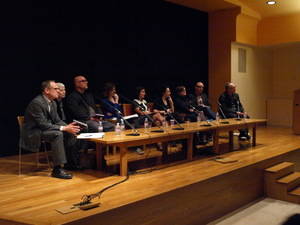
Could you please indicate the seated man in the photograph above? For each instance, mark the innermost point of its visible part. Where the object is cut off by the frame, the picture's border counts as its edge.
(59, 101)
(41, 122)
(81, 106)
(232, 107)
(182, 106)
(200, 101)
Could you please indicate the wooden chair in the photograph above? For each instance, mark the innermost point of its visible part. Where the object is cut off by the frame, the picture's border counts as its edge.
(127, 109)
(21, 123)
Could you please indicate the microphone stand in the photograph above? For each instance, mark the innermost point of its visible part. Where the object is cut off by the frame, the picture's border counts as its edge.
(238, 110)
(197, 111)
(125, 120)
(223, 114)
(149, 117)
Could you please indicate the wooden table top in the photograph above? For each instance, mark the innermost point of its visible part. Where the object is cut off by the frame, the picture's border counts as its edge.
(111, 137)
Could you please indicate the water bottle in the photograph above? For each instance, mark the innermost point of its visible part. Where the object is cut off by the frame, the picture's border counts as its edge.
(122, 125)
(217, 117)
(100, 127)
(118, 129)
(146, 124)
(172, 123)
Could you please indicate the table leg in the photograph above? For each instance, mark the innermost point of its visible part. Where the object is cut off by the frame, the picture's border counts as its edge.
(190, 147)
(123, 161)
(216, 142)
(254, 136)
(99, 156)
(230, 140)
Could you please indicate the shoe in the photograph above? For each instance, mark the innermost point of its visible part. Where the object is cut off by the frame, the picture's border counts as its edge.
(243, 138)
(139, 151)
(60, 173)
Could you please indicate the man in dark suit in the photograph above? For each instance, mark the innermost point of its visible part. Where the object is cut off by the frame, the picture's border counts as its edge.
(41, 122)
(232, 107)
(81, 106)
(201, 102)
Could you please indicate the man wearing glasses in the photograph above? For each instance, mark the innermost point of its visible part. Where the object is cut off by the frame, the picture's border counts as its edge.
(41, 122)
(81, 106)
(200, 100)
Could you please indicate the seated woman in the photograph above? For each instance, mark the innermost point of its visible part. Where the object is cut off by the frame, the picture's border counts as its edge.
(141, 108)
(164, 105)
(110, 102)
(183, 107)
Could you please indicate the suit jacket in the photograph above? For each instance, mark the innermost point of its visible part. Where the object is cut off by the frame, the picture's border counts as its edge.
(78, 104)
(231, 104)
(204, 99)
(37, 119)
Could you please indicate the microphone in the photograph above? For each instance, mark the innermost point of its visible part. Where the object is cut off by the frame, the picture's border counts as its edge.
(200, 112)
(222, 112)
(125, 120)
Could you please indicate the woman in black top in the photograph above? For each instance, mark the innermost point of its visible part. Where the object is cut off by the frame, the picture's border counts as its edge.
(164, 105)
(142, 109)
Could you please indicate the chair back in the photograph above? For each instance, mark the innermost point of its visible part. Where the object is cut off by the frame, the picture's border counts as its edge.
(20, 121)
(127, 109)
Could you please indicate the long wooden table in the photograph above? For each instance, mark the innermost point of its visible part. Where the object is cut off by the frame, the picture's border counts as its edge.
(147, 137)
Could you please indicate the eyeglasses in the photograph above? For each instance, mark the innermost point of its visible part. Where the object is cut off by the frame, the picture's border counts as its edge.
(83, 81)
(199, 86)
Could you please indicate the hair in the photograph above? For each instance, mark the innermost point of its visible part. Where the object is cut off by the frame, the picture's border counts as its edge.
(228, 84)
(109, 86)
(179, 89)
(46, 84)
(163, 89)
(78, 75)
(138, 90)
(60, 85)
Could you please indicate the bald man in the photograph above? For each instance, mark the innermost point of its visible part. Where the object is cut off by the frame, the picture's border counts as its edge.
(81, 106)
(232, 107)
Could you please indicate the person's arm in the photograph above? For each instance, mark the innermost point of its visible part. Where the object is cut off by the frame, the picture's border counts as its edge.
(171, 104)
(241, 108)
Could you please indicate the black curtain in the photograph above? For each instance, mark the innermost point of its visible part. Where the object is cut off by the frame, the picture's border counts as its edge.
(149, 43)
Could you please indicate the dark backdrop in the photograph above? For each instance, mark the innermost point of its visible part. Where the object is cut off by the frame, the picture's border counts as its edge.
(135, 42)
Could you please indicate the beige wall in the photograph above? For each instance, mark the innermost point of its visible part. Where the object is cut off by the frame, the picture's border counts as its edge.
(266, 89)
(254, 86)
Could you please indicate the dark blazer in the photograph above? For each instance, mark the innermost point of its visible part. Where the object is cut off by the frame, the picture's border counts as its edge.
(182, 104)
(37, 119)
(204, 99)
(78, 104)
(231, 104)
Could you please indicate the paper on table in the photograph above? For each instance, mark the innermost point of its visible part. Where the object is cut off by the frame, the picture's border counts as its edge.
(90, 135)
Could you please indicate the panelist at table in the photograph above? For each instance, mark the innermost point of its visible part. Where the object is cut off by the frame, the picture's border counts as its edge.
(164, 105)
(232, 107)
(41, 122)
(142, 109)
(110, 102)
(81, 106)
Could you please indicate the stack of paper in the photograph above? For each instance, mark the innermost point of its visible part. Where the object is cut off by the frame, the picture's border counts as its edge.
(90, 135)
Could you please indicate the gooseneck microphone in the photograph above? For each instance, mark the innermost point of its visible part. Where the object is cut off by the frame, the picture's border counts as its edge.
(222, 112)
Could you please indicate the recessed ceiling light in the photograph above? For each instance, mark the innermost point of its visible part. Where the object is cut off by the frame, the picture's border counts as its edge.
(271, 2)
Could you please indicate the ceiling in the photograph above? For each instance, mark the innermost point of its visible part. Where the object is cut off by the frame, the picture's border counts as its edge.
(283, 7)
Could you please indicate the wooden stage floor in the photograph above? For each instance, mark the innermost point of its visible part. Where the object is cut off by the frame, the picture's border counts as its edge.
(193, 192)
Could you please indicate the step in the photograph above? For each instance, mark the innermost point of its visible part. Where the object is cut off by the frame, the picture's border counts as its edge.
(292, 180)
(114, 159)
(279, 167)
(296, 191)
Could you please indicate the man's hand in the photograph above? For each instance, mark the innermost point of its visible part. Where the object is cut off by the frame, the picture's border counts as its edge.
(71, 128)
